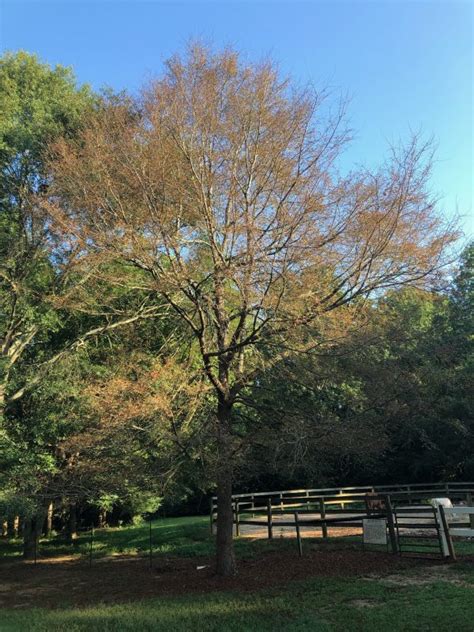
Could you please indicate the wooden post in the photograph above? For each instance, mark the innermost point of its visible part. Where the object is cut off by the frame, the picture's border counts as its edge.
(469, 504)
(270, 518)
(151, 547)
(212, 516)
(307, 498)
(237, 525)
(281, 501)
(91, 545)
(447, 534)
(298, 534)
(391, 525)
(322, 510)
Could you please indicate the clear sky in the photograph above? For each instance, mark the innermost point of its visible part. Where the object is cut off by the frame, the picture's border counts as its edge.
(405, 64)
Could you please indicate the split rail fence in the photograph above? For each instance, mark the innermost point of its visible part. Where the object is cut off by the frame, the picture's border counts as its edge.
(344, 507)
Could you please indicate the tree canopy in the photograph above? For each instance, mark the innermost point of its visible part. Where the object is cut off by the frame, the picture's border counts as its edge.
(196, 292)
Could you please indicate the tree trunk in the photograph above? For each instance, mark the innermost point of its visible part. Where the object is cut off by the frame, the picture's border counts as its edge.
(102, 518)
(48, 525)
(71, 526)
(225, 562)
(31, 533)
(5, 529)
(14, 527)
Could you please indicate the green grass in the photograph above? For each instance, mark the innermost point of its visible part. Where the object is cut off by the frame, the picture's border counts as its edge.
(316, 605)
(175, 536)
(185, 537)
(319, 604)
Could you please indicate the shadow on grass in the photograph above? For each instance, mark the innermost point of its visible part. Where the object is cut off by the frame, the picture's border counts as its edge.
(315, 605)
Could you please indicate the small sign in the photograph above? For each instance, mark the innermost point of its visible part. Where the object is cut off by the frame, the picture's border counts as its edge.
(375, 503)
(375, 530)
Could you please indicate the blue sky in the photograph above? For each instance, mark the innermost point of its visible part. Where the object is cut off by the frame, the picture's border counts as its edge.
(405, 64)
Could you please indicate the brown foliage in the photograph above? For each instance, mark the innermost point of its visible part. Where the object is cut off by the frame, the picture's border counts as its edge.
(220, 186)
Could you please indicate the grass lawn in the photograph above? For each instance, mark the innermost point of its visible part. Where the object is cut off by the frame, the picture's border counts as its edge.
(433, 597)
(183, 537)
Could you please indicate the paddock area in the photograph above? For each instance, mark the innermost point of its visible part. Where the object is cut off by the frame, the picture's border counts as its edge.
(281, 528)
(411, 513)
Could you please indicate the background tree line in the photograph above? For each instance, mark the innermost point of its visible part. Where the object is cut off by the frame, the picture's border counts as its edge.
(193, 298)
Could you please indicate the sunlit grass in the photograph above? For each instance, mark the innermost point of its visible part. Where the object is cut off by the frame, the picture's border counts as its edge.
(318, 605)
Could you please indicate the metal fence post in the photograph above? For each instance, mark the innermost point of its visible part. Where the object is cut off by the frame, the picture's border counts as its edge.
(270, 518)
(322, 510)
(91, 544)
(236, 519)
(298, 534)
(151, 547)
(212, 517)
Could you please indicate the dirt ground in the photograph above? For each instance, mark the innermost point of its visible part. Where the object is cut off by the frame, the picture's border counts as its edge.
(260, 532)
(71, 582)
(279, 531)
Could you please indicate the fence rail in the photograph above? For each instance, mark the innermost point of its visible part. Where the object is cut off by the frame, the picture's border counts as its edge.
(352, 501)
(461, 529)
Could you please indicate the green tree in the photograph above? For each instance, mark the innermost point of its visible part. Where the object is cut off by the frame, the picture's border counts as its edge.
(39, 316)
(37, 105)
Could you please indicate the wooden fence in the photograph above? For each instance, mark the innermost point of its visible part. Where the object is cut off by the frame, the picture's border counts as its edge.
(336, 506)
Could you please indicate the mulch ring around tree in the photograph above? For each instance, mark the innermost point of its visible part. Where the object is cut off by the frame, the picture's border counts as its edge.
(71, 582)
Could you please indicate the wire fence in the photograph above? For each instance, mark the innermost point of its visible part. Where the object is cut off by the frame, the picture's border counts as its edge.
(88, 544)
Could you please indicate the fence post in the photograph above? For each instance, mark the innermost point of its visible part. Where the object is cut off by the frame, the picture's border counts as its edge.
(322, 510)
(270, 518)
(391, 525)
(212, 516)
(342, 503)
(469, 504)
(151, 548)
(237, 525)
(91, 545)
(447, 534)
(298, 534)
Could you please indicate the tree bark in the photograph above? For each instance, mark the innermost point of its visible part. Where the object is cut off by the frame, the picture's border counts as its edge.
(48, 525)
(5, 529)
(225, 559)
(14, 527)
(102, 518)
(31, 533)
(71, 525)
